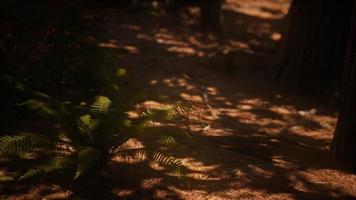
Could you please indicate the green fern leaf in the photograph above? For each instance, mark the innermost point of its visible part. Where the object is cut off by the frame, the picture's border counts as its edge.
(167, 141)
(157, 157)
(165, 160)
(4, 178)
(23, 142)
(42, 95)
(101, 105)
(170, 113)
(33, 172)
(142, 154)
(87, 159)
(176, 112)
(54, 165)
(39, 106)
(87, 125)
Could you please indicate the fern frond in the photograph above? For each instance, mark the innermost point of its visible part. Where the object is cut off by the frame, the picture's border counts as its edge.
(176, 111)
(141, 153)
(23, 142)
(87, 125)
(87, 159)
(4, 178)
(157, 157)
(153, 114)
(63, 148)
(39, 106)
(54, 165)
(147, 123)
(60, 113)
(101, 105)
(41, 95)
(170, 113)
(35, 172)
(165, 160)
(167, 141)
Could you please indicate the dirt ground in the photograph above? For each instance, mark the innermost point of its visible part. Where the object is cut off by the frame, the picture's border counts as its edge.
(249, 139)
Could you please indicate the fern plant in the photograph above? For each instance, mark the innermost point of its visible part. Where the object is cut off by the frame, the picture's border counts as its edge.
(90, 135)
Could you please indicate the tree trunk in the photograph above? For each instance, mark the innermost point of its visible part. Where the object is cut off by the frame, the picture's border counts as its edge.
(344, 142)
(314, 46)
(211, 14)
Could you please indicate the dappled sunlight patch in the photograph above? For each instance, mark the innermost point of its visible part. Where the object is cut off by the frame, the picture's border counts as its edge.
(264, 29)
(276, 36)
(218, 132)
(114, 45)
(197, 42)
(256, 102)
(237, 173)
(131, 27)
(133, 114)
(273, 127)
(203, 177)
(162, 194)
(323, 135)
(128, 152)
(331, 178)
(247, 118)
(156, 166)
(150, 183)
(311, 129)
(212, 91)
(240, 45)
(108, 45)
(153, 82)
(174, 43)
(132, 143)
(192, 98)
(150, 104)
(197, 166)
(191, 16)
(192, 194)
(179, 82)
(330, 181)
(145, 37)
(128, 159)
(220, 98)
(283, 110)
(307, 113)
(244, 107)
(123, 193)
(260, 171)
(262, 9)
(130, 48)
(297, 184)
(182, 50)
(50, 191)
(231, 193)
(281, 162)
(168, 40)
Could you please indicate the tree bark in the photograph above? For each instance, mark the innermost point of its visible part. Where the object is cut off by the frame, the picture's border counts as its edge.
(344, 143)
(314, 46)
(211, 14)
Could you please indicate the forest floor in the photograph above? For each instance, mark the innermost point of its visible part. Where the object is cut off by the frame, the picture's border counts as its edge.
(249, 139)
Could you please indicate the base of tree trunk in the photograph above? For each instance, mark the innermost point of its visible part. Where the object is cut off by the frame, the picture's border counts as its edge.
(314, 46)
(344, 144)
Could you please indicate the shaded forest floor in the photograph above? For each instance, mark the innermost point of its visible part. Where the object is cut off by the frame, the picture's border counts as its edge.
(249, 140)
